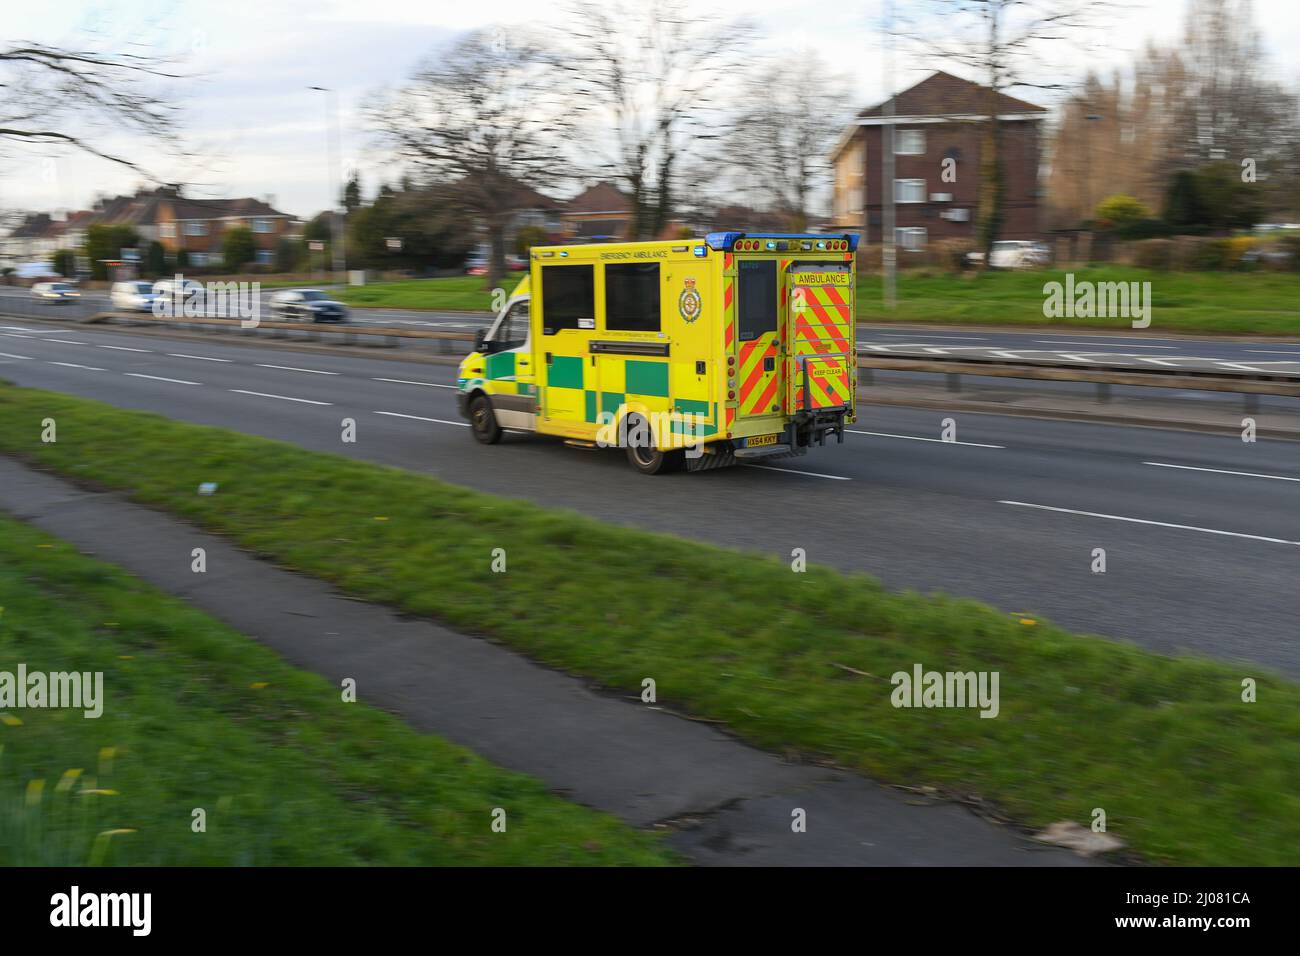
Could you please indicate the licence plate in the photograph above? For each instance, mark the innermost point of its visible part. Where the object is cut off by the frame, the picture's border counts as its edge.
(761, 440)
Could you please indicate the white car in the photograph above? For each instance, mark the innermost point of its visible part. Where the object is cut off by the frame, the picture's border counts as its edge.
(55, 292)
(1015, 254)
(136, 295)
(187, 291)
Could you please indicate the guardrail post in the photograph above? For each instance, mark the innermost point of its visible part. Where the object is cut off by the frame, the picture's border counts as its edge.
(953, 381)
(1103, 392)
(1251, 401)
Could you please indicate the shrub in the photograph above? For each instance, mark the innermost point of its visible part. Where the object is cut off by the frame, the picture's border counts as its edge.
(1153, 254)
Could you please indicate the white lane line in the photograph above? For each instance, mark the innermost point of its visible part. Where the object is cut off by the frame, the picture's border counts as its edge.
(15, 335)
(908, 335)
(290, 368)
(1271, 352)
(402, 381)
(197, 358)
(159, 378)
(973, 444)
(421, 418)
(122, 348)
(63, 341)
(1220, 471)
(17, 328)
(1064, 342)
(12, 356)
(1158, 524)
(283, 398)
(89, 368)
(791, 471)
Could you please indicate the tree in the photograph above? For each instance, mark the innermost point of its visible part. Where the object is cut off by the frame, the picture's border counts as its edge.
(1009, 44)
(1120, 211)
(238, 247)
(288, 255)
(107, 242)
(352, 193)
(650, 75)
(45, 91)
(527, 237)
(478, 121)
(65, 263)
(155, 260)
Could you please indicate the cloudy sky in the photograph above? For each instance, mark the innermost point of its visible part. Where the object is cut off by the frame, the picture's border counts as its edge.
(257, 130)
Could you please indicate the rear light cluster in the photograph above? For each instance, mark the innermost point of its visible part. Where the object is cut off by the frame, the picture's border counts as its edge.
(769, 245)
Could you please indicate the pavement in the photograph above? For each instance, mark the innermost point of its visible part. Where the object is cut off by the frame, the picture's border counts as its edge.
(723, 802)
(1202, 531)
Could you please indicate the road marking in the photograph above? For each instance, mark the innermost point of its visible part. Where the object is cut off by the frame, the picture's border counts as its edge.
(12, 356)
(89, 368)
(122, 348)
(15, 335)
(1271, 352)
(63, 341)
(159, 378)
(791, 471)
(973, 444)
(421, 418)
(199, 358)
(17, 328)
(1065, 342)
(951, 338)
(283, 398)
(1158, 524)
(402, 381)
(290, 368)
(1220, 471)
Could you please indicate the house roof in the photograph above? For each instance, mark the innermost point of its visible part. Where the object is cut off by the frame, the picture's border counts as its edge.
(942, 94)
(599, 197)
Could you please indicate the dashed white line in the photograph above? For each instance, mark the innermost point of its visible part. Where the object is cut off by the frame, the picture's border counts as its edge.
(290, 368)
(402, 381)
(88, 368)
(1221, 471)
(159, 378)
(1129, 345)
(421, 418)
(1158, 524)
(197, 358)
(12, 356)
(15, 335)
(791, 471)
(122, 348)
(64, 341)
(283, 398)
(973, 444)
(1271, 351)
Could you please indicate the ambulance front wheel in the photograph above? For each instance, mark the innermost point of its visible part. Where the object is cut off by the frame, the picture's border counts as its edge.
(482, 422)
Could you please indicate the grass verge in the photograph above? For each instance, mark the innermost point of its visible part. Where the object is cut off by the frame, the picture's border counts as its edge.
(454, 294)
(196, 715)
(1185, 771)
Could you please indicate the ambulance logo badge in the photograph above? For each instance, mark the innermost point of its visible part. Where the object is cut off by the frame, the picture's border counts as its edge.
(688, 303)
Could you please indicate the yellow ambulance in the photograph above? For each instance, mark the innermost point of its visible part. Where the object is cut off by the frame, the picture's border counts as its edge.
(687, 353)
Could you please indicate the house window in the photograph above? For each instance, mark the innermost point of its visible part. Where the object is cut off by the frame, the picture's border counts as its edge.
(265, 257)
(909, 142)
(167, 230)
(198, 258)
(261, 225)
(911, 238)
(196, 229)
(909, 190)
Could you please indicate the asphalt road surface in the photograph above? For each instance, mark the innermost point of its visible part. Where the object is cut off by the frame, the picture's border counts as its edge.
(1201, 532)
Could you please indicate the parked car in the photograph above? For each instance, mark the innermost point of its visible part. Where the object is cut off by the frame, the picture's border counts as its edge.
(55, 292)
(307, 305)
(188, 289)
(476, 266)
(137, 295)
(1015, 254)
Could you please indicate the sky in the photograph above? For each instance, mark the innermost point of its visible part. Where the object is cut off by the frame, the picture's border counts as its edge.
(256, 129)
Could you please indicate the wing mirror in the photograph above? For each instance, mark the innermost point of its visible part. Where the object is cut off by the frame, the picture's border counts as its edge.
(479, 336)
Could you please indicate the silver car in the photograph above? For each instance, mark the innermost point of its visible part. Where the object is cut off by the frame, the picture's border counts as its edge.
(133, 296)
(55, 292)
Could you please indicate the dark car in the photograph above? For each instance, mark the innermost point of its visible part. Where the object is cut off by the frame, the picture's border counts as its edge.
(307, 305)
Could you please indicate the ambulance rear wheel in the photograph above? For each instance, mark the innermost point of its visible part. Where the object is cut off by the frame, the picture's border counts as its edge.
(647, 459)
(482, 422)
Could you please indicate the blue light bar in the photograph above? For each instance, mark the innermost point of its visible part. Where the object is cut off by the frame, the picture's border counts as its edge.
(726, 241)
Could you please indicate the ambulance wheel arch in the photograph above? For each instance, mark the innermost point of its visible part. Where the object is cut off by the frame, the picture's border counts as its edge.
(645, 456)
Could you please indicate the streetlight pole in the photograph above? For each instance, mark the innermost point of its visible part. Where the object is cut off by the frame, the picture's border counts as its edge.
(332, 138)
(888, 251)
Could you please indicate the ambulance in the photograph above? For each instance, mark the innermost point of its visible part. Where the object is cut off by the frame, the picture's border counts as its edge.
(689, 354)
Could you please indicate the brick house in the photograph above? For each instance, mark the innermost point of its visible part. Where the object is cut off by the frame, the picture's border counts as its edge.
(199, 226)
(602, 210)
(941, 118)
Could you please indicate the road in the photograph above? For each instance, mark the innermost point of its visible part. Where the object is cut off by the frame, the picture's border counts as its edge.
(1201, 532)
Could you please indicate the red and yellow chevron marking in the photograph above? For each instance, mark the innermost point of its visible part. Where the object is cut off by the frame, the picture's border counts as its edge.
(728, 293)
(731, 418)
(757, 386)
(829, 385)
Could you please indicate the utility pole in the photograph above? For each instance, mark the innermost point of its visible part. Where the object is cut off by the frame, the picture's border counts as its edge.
(332, 138)
(888, 254)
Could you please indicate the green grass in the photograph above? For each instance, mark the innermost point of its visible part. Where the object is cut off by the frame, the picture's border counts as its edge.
(196, 715)
(1185, 771)
(455, 294)
(1189, 302)
(1264, 303)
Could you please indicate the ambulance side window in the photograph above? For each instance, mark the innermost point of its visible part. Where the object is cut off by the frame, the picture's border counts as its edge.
(568, 298)
(757, 305)
(632, 297)
(512, 333)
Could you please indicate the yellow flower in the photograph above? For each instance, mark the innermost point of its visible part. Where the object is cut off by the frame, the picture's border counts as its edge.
(35, 788)
(259, 685)
(66, 781)
(10, 721)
